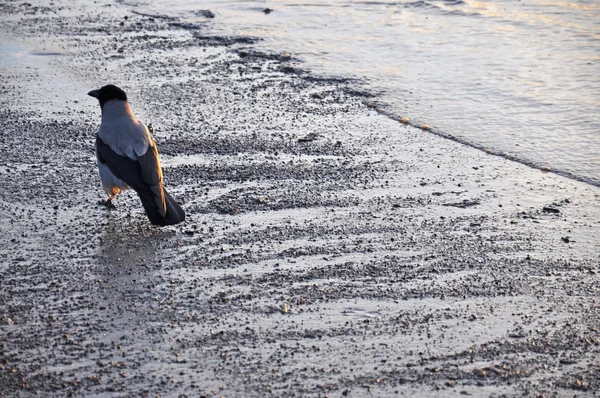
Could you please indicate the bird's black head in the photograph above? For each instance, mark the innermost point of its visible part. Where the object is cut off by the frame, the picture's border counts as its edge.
(108, 93)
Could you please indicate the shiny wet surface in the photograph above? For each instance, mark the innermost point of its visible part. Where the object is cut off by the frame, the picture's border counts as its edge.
(514, 78)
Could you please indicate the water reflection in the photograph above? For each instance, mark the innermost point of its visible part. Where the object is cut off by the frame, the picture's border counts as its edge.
(478, 70)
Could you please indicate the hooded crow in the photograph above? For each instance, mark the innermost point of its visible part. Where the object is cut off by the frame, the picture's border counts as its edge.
(127, 157)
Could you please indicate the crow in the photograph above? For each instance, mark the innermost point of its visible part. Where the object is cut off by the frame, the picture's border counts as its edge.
(127, 157)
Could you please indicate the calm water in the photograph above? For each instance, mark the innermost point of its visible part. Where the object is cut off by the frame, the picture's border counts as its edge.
(519, 78)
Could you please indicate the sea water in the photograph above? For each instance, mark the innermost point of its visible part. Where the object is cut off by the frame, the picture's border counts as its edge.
(520, 78)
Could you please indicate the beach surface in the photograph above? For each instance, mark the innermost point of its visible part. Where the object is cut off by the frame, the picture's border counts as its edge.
(328, 250)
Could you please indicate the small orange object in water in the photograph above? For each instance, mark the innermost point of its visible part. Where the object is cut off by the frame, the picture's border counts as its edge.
(404, 120)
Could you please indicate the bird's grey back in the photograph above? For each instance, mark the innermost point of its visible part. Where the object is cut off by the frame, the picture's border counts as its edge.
(120, 130)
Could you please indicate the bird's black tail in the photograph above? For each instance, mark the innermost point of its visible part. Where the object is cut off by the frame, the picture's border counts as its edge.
(175, 213)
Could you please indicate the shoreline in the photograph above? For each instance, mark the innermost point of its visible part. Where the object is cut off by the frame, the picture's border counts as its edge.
(315, 260)
(533, 147)
(511, 157)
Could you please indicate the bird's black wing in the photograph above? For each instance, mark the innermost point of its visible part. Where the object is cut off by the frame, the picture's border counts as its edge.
(143, 175)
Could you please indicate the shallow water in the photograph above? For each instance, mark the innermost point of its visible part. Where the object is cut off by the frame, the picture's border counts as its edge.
(519, 79)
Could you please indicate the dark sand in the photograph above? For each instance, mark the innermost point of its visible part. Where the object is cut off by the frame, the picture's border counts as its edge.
(328, 251)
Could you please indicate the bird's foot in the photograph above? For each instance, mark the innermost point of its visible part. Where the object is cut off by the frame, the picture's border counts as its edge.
(108, 203)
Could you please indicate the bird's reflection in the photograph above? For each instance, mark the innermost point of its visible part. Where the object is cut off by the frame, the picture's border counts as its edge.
(128, 265)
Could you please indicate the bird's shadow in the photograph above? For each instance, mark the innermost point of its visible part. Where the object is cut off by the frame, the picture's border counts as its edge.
(130, 240)
(128, 263)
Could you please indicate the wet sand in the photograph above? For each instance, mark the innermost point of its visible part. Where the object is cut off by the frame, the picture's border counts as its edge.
(328, 250)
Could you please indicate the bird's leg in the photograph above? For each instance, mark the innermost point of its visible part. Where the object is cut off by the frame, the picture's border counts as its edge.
(108, 203)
